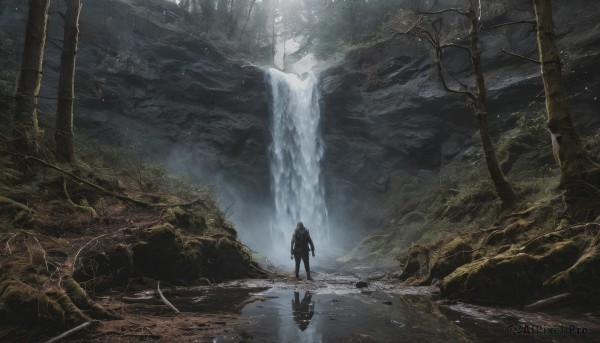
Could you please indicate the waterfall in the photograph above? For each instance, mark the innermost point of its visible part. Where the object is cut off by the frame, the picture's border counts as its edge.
(295, 160)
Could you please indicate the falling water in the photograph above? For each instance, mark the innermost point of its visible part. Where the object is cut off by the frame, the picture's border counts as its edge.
(295, 160)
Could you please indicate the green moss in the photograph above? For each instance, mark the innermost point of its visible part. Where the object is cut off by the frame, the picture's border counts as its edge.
(583, 275)
(449, 257)
(75, 292)
(163, 232)
(185, 219)
(22, 303)
(502, 279)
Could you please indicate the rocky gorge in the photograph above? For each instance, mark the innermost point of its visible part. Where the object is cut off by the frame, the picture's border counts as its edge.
(407, 192)
(148, 82)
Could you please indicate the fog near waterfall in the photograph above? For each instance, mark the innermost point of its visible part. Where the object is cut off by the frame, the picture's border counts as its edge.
(296, 190)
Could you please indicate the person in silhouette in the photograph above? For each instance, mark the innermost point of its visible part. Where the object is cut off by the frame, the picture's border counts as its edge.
(300, 248)
(302, 311)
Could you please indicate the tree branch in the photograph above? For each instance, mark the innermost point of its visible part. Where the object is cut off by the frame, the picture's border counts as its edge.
(80, 249)
(510, 23)
(438, 62)
(521, 56)
(456, 46)
(104, 190)
(455, 10)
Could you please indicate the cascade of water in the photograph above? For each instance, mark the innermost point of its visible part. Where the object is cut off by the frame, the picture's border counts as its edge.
(295, 160)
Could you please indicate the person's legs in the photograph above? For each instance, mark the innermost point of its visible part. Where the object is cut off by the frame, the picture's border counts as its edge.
(297, 258)
(306, 265)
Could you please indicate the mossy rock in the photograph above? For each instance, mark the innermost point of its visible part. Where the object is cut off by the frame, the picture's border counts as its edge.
(225, 258)
(513, 277)
(21, 303)
(184, 219)
(166, 253)
(506, 279)
(449, 257)
(583, 275)
(417, 262)
(510, 234)
(161, 255)
(106, 269)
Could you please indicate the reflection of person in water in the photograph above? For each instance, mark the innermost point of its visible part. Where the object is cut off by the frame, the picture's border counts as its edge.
(302, 311)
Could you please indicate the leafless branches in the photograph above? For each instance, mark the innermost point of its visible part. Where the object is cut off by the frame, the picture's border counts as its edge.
(531, 22)
(81, 249)
(521, 56)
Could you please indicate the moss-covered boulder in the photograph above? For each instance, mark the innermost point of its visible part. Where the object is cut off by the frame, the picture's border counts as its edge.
(167, 253)
(427, 262)
(160, 254)
(506, 279)
(583, 275)
(450, 256)
(184, 219)
(513, 277)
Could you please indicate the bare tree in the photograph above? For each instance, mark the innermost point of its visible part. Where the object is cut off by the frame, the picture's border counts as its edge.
(579, 175)
(63, 135)
(428, 26)
(26, 129)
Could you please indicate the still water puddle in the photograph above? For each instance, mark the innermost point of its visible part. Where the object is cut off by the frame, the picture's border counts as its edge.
(304, 316)
(338, 312)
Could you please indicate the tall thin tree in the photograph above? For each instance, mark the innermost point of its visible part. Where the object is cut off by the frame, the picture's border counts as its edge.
(26, 129)
(579, 176)
(476, 95)
(63, 136)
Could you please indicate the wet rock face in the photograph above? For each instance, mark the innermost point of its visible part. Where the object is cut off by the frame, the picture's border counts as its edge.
(384, 108)
(145, 83)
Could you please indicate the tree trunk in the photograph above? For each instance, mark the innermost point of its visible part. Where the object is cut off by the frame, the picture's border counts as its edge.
(503, 187)
(222, 14)
(63, 135)
(26, 130)
(579, 176)
(247, 17)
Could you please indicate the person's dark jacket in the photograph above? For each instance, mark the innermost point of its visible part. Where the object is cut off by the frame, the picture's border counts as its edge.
(301, 241)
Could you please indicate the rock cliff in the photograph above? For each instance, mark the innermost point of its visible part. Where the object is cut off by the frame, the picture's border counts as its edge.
(144, 80)
(387, 119)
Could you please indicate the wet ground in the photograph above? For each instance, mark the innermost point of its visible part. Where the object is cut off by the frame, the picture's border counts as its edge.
(328, 309)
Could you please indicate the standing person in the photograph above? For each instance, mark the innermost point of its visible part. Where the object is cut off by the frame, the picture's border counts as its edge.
(300, 248)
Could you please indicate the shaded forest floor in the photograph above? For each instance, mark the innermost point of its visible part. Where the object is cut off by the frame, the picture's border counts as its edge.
(110, 223)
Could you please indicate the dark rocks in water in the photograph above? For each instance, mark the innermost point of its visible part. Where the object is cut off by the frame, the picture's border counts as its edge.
(362, 284)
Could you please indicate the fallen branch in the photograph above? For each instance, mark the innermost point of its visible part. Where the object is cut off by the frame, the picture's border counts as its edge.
(79, 251)
(167, 302)
(553, 302)
(70, 332)
(106, 191)
(8, 250)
